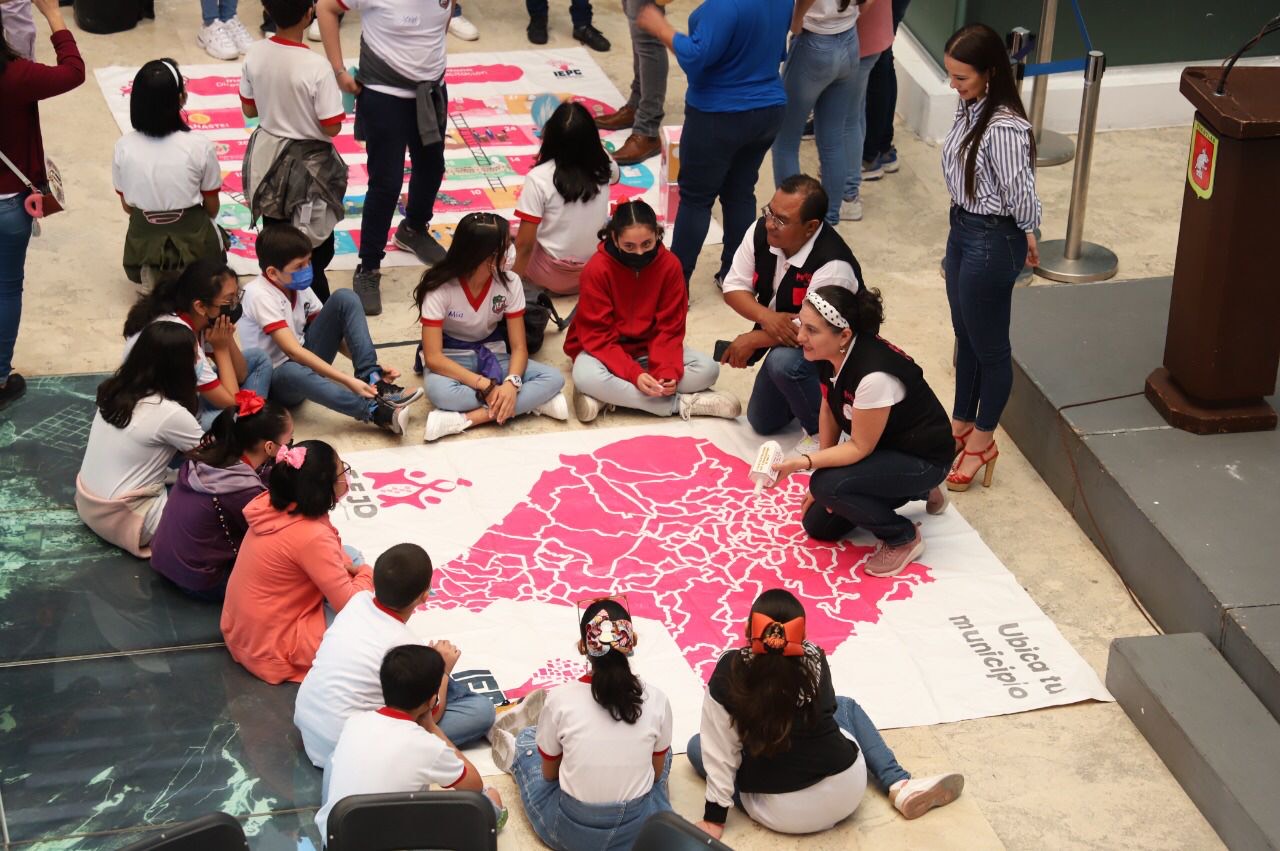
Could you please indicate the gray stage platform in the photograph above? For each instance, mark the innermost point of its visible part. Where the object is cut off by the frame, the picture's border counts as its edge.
(1191, 523)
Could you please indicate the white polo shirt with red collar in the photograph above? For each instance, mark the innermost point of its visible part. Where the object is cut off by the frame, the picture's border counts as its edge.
(206, 370)
(293, 89)
(452, 308)
(267, 309)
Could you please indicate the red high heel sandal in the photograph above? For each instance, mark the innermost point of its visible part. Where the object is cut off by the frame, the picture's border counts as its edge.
(957, 481)
(960, 439)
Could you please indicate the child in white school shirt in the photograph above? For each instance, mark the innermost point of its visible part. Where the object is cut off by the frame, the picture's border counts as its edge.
(399, 748)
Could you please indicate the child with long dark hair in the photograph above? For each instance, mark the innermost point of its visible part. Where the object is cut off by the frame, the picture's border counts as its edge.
(592, 761)
(203, 523)
(146, 413)
(564, 201)
(777, 739)
(290, 565)
(476, 366)
(627, 338)
(167, 178)
(206, 299)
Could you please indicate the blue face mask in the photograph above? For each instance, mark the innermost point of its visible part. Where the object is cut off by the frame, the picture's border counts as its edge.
(302, 278)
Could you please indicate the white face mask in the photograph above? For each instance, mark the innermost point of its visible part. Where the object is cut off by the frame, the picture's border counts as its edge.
(508, 260)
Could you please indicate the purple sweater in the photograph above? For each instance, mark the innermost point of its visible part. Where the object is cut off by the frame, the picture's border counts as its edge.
(194, 547)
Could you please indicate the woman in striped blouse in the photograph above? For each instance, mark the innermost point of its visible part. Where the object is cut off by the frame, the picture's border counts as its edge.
(988, 161)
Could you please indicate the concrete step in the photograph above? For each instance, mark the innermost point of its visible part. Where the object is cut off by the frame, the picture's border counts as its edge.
(1213, 733)
(1251, 640)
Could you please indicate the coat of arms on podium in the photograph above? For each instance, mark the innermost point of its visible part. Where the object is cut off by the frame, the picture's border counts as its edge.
(1203, 159)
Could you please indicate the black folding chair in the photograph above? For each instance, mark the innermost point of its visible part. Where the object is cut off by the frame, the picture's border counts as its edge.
(215, 832)
(435, 821)
(666, 831)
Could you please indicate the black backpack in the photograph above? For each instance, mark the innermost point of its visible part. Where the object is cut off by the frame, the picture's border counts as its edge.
(538, 313)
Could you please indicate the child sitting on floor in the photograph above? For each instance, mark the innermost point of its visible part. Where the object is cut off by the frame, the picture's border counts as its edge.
(291, 564)
(344, 676)
(399, 747)
(283, 317)
(203, 523)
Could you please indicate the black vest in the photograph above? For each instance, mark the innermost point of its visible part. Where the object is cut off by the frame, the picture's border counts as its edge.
(795, 283)
(918, 425)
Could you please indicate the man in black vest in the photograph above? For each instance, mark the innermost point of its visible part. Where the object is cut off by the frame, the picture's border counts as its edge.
(789, 251)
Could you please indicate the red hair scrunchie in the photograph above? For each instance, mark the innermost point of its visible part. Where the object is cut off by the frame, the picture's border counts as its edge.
(248, 403)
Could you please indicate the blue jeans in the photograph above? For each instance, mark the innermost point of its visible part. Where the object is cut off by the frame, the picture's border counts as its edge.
(855, 126)
(541, 384)
(579, 11)
(820, 76)
(720, 156)
(217, 10)
(869, 494)
(258, 380)
(15, 236)
(390, 126)
(882, 96)
(567, 824)
(467, 715)
(786, 389)
(983, 259)
(341, 320)
(881, 763)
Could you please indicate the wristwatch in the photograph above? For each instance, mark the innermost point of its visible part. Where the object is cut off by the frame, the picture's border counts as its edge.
(516, 381)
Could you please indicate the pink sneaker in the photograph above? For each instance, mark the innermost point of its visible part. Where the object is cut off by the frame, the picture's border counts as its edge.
(889, 561)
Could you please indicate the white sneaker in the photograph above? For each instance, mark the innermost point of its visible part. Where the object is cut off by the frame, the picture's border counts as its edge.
(915, 797)
(709, 403)
(807, 446)
(937, 501)
(462, 28)
(851, 210)
(313, 31)
(503, 750)
(217, 42)
(240, 36)
(587, 408)
(525, 714)
(444, 423)
(557, 408)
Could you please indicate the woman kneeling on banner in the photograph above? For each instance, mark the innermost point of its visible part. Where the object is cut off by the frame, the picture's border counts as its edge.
(777, 741)
(885, 437)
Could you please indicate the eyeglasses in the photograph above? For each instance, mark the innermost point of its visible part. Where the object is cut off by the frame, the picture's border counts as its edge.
(346, 468)
(771, 219)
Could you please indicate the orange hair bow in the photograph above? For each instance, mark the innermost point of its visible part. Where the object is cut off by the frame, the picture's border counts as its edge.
(769, 636)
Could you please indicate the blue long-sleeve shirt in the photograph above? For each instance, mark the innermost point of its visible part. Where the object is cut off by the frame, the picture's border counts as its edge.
(732, 53)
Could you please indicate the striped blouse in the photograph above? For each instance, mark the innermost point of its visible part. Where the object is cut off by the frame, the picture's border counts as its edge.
(1004, 181)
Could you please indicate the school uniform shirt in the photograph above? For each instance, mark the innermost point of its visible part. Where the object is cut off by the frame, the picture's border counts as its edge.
(409, 35)
(1004, 179)
(453, 309)
(267, 309)
(343, 679)
(385, 751)
(173, 173)
(742, 273)
(566, 230)
(206, 369)
(602, 761)
(118, 460)
(292, 87)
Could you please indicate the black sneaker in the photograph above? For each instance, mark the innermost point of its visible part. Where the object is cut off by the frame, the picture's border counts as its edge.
(12, 390)
(394, 394)
(419, 242)
(366, 284)
(390, 418)
(592, 38)
(537, 30)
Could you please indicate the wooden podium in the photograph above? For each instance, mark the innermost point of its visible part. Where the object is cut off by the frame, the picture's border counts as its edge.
(1223, 342)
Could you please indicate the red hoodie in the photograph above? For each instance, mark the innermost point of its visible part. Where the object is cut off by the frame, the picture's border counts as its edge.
(624, 314)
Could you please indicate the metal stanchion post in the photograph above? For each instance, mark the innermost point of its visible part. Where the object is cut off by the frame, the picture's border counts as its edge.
(1016, 41)
(1072, 259)
(1051, 148)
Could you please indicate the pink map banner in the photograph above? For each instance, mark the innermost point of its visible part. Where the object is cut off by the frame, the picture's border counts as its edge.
(521, 528)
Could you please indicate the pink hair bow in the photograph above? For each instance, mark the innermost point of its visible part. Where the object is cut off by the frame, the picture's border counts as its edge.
(293, 456)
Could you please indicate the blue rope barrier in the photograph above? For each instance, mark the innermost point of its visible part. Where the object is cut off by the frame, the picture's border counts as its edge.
(1084, 31)
(1059, 67)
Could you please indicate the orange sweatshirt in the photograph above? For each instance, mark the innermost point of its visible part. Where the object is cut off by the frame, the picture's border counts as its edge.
(288, 565)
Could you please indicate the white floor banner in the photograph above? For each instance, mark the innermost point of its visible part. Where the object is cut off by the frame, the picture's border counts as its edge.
(522, 528)
(491, 141)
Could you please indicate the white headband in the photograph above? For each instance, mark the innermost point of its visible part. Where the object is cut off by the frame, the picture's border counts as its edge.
(173, 69)
(828, 312)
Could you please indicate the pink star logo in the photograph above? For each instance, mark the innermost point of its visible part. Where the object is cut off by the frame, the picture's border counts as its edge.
(408, 487)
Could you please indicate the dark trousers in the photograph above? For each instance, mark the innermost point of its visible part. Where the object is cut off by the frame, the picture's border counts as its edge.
(579, 11)
(321, 257)
(390, 128)
(983, 259)
(882, 96)
(720, 156)
(869, 494)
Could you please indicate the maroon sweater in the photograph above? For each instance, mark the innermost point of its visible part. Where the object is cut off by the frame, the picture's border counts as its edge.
(23, 84)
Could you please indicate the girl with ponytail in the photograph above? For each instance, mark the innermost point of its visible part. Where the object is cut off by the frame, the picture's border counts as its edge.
(591, 758)
(778, 741)
(203, 523)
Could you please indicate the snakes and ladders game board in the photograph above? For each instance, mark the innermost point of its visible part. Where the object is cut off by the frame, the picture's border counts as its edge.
(491, 140)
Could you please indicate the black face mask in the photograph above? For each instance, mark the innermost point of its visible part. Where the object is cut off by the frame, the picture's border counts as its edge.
(232, 312)
(632, 261)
